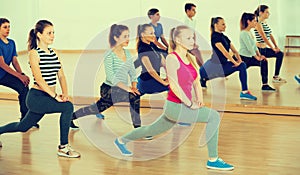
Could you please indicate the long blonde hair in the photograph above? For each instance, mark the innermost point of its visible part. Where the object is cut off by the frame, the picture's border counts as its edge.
(175, 32)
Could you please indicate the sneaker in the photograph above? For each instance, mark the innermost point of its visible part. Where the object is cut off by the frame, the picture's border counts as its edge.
(184, 124)
(278, 80)
(67, 151)
(219, 164)
(148, 138)
(203, 83)
(297, 78)
(73, 126)
(267, 88)
(122, 148)
(100, 116)
(247, 96)
(37, 126)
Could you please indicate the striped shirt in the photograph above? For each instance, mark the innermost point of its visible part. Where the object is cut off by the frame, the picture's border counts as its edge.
(117, 70)
(49, 66)
(267, 30)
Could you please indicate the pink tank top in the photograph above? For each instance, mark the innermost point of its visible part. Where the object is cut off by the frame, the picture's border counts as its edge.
(186, 76)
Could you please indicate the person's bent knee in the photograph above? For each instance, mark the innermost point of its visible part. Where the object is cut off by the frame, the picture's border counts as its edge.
(215, 115)
(69, 106)
(24, 129)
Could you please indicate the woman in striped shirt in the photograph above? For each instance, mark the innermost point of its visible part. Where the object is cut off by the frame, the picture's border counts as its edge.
(42, 98)
(266, 42)
(118, 65)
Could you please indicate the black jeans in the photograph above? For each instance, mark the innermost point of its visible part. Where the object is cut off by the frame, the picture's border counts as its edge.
(14, 83)
(39, 104)
(267, 52)
(252, 61)
(109, 96)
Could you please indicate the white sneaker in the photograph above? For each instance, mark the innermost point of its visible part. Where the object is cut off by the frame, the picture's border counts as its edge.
(67, 151)
(278, 80)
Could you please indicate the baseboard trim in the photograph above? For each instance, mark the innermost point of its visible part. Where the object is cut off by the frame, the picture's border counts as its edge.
(158, 104)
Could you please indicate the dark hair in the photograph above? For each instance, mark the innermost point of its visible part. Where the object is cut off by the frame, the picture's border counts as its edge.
(175, 33)
(188, 6)
(213, 22)
(260, 8)
(3, 20)
(152, 12)
(115, 31)
(244, 20)
(140, 29)
(39, 28)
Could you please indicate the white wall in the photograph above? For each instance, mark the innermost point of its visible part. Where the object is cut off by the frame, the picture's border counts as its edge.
(78, 22)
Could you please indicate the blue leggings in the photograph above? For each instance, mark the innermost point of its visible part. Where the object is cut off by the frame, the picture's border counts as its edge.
(212, 70)
(150, 86)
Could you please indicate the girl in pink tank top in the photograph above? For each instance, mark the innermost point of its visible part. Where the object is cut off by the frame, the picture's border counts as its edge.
(180, 106)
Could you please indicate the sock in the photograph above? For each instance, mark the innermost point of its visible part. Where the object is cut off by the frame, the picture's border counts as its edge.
(213, 159)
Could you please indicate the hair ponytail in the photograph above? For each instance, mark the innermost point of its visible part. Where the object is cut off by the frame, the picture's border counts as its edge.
(140, 29)
(244, 20)
(175, 33)
(214, 21)
(259, 9)
(172, 40)
(32, 43)
(39, 28)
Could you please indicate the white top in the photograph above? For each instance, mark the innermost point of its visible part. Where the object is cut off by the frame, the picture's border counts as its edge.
(189, 22)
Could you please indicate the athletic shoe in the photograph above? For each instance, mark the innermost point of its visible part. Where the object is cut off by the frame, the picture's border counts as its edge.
(148, 138)
(67, 151)
(122, 148)
(37, 126)
(278, 80)
(297, 78)
(247, 96)
(267, 88)
(100, 116)
(184, 124)
(203, 83)
(73, 126)
(219, 164)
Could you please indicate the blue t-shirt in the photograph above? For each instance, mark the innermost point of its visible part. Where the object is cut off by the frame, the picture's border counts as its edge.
(158, 30)
(7, 51)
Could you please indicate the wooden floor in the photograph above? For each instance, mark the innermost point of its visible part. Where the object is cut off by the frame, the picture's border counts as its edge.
(258, 137)
(255, 143)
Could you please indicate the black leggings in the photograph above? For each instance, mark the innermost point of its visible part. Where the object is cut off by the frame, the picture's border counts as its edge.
(40, 103)
(109, 96)
(267, 52)
(252, 61)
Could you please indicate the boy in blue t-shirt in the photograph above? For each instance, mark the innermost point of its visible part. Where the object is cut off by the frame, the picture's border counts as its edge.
(9, 77)
(154, 16)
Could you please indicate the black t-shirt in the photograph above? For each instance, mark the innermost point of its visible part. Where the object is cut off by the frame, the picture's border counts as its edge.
(154, 55)
(217, 56)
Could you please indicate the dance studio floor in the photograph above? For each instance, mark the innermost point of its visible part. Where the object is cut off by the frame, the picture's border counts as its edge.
(260, 137)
